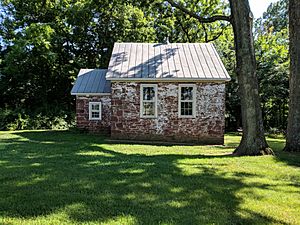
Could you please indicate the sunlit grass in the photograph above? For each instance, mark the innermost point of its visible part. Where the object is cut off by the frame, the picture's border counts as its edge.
(60, 177)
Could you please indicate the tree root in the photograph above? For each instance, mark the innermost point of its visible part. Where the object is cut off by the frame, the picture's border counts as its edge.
(244, 151)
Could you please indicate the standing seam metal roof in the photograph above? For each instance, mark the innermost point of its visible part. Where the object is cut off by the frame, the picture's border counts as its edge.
(183, 61)
(91, 81)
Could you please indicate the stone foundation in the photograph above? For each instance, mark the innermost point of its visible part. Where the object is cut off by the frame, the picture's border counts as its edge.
(82, 114)
(206, 128)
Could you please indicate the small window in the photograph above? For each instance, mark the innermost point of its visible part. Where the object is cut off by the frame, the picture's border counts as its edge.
(95, 110)
(148, 100)
(187, 100)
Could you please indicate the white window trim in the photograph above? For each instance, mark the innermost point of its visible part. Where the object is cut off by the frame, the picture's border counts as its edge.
(142, 86)
(90, 110)
(193, 101)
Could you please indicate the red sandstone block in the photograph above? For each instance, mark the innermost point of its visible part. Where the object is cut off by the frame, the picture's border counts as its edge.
(119, 125)
(114, 119)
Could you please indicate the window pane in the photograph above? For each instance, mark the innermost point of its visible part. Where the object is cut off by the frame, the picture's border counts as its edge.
(186, 93)
(95, 106)
(148, 109)
(95, 115)
(186, 108)
(182, 111)
(148, 93)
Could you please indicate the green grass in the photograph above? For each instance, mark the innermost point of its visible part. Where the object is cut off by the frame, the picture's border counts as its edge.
(60, 177)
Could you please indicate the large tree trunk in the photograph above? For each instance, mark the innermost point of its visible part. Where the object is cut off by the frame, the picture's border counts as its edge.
(253, 140)
(293, 129)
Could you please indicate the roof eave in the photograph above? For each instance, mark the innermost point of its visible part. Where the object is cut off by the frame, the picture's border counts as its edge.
(94, 94)
(169, 79)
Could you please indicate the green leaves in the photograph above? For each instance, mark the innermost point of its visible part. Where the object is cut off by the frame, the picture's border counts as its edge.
(39, 35)
(273, 64)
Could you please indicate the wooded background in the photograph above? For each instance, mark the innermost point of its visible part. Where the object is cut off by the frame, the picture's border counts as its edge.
(43, 44)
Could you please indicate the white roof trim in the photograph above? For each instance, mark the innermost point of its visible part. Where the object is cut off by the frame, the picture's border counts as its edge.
(169, 79)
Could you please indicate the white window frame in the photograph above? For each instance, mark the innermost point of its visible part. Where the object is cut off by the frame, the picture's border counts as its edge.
(193, 100)
(142, 86)
(91, 110)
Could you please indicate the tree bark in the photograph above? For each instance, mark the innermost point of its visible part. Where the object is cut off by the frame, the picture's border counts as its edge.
(253, 140)
(293, 128)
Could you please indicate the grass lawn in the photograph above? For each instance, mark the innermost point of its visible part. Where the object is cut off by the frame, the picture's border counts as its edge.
(60, 177)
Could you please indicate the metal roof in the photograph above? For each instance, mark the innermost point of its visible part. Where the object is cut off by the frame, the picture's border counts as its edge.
(175, 61)
(91, 81)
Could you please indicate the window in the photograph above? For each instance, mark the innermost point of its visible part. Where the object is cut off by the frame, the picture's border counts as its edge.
(187, 100)
(148, 100)
(95, 110)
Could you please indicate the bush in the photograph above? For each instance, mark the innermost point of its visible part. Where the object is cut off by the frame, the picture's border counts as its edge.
(20, 120)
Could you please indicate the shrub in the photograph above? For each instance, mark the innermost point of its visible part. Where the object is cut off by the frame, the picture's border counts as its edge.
(20, 120)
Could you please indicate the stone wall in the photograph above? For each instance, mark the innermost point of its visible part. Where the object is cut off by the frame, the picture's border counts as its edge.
(82, 114)
(206, 128)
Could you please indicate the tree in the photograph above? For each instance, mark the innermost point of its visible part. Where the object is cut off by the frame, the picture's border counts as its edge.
(225, 46)
(253, 140)
(271, 50)
(272, 71)
(46, 42)
(271, 44)
(293, 128)
(275, 18)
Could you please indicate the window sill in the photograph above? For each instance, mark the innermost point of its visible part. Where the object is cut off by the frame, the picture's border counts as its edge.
(186, 117)
(148, 117)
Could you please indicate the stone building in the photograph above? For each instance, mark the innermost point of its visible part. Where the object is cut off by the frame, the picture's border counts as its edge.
(155, 92)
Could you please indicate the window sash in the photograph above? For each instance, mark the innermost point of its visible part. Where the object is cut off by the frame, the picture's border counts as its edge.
(192, 101)
(143, 110)
(148, 108)
(93, 111)
(148, 94)
(188, 94)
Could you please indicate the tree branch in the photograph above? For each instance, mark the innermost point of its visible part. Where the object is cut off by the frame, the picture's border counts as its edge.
(196, 16)
(216, 36)
(205, 33)
(186, 32)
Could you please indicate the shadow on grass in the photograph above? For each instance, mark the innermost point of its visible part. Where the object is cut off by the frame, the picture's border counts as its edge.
(46, 172)
(277, 144)
(290, 158)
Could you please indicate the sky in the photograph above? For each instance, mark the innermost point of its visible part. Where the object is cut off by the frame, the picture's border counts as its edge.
(258, 7)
